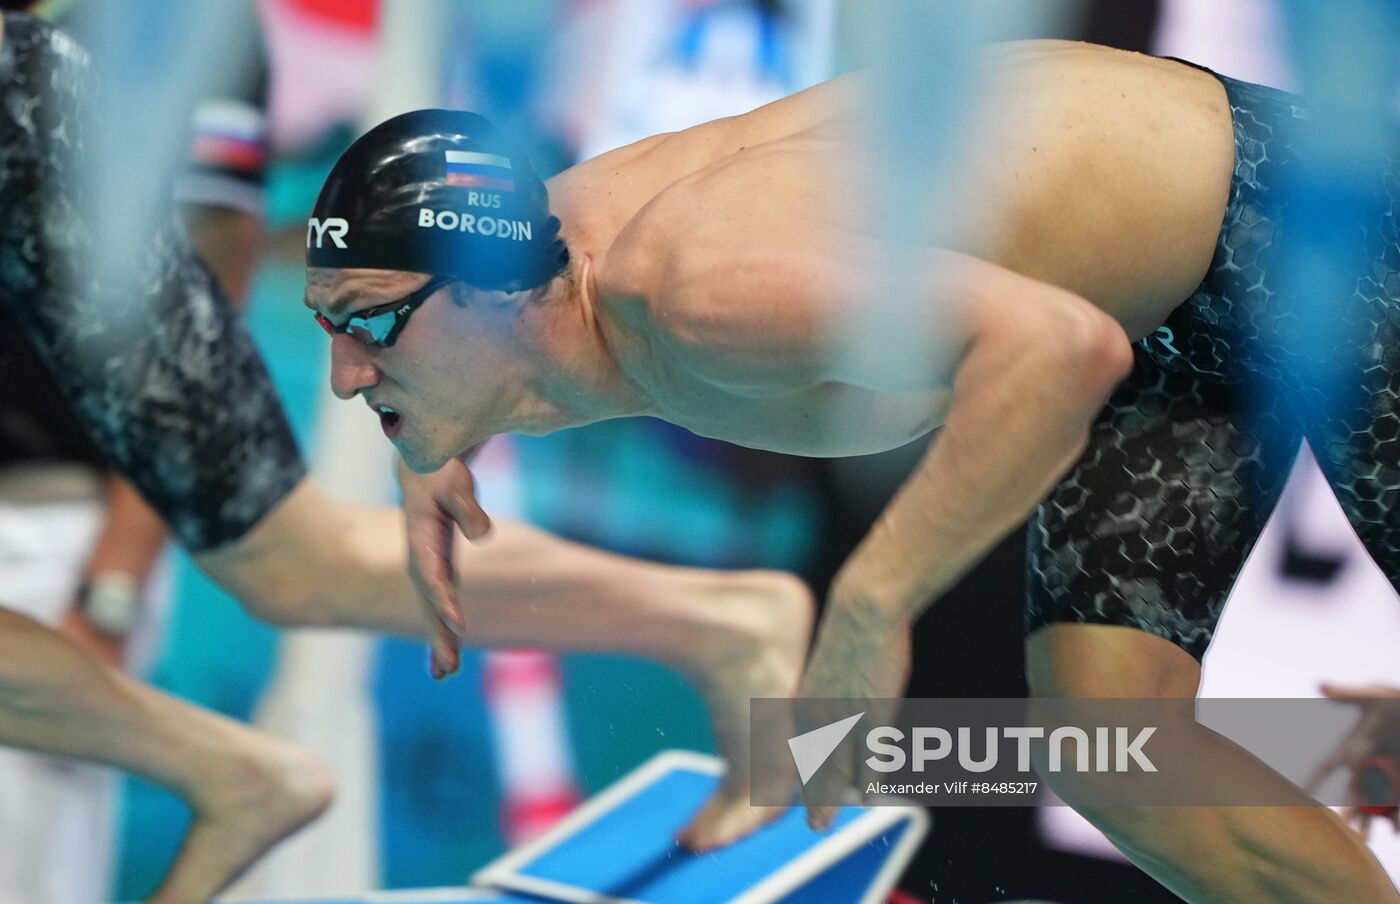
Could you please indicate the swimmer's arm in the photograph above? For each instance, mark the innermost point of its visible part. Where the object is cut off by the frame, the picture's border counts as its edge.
(1037, 367)
(750, 296)
(132, 535)
(129, 542)
(228, 241)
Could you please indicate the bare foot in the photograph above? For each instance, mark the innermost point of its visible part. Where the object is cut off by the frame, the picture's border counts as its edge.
(768, 617)
(252, 804)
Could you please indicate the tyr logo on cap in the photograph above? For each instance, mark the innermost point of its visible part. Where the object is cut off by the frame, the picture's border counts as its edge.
(337, 228)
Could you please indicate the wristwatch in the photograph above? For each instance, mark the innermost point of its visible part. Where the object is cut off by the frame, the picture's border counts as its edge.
(110, 602)
(1375, 785)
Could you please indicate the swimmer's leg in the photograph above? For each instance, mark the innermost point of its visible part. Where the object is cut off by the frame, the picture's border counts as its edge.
(315, 561)
(248, 791)
(735, 636)
(1298, 855)
(1349, 401)
(1130, 561)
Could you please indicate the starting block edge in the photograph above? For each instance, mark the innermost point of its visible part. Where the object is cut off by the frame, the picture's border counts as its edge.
(506, 871)
(864, 829)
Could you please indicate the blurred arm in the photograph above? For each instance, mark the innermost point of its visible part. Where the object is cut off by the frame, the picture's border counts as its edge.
(227, 240)
(132, 534)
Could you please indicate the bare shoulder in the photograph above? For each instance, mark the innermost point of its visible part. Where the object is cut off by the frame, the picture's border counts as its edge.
(724, 278)
(1092, 170)
(639, 198)
(836, 100)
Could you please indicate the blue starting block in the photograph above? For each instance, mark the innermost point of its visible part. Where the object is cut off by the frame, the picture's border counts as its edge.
(619, 848)
(454, 895)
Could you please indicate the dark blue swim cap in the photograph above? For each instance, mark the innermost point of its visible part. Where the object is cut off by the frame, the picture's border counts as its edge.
(437, 191)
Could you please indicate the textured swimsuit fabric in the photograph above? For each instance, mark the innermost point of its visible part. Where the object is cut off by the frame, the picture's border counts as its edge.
(1187, 460)
(160, 370)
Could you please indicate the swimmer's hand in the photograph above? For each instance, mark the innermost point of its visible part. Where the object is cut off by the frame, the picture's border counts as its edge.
(1376, 734)
(434, 504)
(860, 654)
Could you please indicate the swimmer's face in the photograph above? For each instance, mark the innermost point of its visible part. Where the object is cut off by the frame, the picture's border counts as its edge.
(445, 385)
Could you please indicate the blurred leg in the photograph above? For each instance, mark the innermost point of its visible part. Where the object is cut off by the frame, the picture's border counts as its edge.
(247, 791)
(1131, 560)
(1208, 855)
(55, 815)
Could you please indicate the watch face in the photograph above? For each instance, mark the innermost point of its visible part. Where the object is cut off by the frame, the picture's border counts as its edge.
(110, 603)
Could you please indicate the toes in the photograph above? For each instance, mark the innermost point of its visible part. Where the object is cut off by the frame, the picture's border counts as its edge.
(704, 832)
(724, 821)
(820, 818)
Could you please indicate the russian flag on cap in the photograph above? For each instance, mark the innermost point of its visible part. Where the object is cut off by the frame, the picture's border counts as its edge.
(476, 170)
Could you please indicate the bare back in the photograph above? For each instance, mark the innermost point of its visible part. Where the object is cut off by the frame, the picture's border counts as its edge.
(726, 252)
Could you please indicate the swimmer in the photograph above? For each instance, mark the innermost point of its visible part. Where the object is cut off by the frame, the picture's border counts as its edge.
(216, 459)
(1082, 343)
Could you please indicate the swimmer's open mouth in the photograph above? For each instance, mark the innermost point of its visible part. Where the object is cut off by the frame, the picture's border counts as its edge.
(390, 420)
